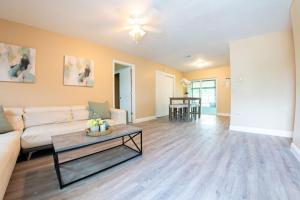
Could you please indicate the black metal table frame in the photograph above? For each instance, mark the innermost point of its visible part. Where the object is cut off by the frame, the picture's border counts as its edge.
(131, 136)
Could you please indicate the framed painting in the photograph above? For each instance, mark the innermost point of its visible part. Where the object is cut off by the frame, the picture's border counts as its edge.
(78, 71)
(17, 63)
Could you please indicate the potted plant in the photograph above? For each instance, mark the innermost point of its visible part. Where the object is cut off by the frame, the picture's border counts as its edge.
(93, 125)
(96, 125)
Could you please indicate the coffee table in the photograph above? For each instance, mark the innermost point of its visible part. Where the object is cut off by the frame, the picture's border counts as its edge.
(83, 166)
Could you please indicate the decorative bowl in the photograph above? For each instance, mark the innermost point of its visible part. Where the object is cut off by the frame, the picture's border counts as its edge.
(98, 133)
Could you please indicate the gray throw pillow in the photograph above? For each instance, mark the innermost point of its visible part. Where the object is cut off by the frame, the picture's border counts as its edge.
(99, 110)
(5, 126)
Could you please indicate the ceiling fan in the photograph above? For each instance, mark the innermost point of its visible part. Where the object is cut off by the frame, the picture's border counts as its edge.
(138, 26)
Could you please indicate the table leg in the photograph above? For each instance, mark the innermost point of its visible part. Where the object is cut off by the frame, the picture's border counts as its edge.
(57, 169)
(141, 133)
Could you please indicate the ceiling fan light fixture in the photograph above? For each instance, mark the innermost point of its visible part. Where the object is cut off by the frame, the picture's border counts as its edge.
(137, 33)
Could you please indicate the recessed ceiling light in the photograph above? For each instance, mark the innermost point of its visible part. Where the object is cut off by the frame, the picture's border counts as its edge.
(200, 63)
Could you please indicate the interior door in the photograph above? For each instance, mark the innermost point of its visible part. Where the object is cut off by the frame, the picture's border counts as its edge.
(164, 90)
(117, 91)
(125, 91)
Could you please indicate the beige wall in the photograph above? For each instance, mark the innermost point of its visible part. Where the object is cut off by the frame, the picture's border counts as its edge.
(295, 15)
(263, 83)
(49, 89)
(223, 92)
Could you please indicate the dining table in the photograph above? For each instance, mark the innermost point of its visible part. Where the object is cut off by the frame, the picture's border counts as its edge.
(190, 102)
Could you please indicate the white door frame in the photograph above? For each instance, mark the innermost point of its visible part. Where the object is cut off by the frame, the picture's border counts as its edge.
(157, 72)
(132, 67)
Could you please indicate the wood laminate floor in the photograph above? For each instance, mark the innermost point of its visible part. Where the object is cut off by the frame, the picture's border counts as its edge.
(190, 160)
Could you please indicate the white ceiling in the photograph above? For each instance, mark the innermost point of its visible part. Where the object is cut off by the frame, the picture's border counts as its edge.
(202, 28)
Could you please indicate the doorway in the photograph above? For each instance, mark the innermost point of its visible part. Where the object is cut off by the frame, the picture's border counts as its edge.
(117, 90)
(123, 90)
(207, 90)
(165, 88)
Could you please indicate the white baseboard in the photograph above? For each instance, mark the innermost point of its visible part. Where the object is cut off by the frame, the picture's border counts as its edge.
(296, 151)
(144, 119)
(279, 133)
(224, 114)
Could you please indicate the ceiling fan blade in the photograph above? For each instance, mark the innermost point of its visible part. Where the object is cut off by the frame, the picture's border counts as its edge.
(151, 29)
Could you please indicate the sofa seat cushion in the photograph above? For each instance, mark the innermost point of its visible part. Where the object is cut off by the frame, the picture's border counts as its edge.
(9, 151)
(41, 135)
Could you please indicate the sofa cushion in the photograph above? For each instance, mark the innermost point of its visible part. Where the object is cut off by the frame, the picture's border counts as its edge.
(99, 110)
(41, 135)
(80, 112)
(9, 151)
(36, 116)
(15, 118)
(5, 126)
(16, 122)
(119, 115)
(13, 111)
(46, 109)
(112, 122)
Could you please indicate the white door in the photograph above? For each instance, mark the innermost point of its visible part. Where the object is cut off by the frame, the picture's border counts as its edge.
(164, 90)
(125, 91)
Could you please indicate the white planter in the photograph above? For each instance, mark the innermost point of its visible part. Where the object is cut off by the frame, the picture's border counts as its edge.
(102, 127)
(94, 128)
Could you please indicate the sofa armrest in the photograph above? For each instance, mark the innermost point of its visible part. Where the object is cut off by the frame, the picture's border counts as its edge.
(119, 115)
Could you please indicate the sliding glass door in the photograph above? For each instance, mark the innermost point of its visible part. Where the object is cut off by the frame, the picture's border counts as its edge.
(206, 89)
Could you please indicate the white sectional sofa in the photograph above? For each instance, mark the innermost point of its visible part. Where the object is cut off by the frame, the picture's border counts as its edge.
(10, 147)
(43, 122)
(33, 128)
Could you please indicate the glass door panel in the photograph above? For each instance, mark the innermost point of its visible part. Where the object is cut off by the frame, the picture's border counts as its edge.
(206, 89)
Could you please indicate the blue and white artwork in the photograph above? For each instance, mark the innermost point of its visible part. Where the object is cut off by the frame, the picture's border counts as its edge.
(78, 71)
(17, 63)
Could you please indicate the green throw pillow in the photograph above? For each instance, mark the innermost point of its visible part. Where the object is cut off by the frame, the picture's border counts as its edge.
(4, 124)
(99, 110)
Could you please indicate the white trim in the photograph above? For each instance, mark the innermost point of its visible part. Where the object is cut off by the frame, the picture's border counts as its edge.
(132, 66)
(224, 114)
(144, 119)
(157, 72)
(280, 133)
(296, 151)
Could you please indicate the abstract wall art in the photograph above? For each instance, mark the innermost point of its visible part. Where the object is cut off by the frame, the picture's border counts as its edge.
(78, 71)
(17, 63)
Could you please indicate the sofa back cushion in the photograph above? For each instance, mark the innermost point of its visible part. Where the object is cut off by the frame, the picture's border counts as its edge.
(36, 116)
(4, 123)
(15, 117)
(80, 112)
